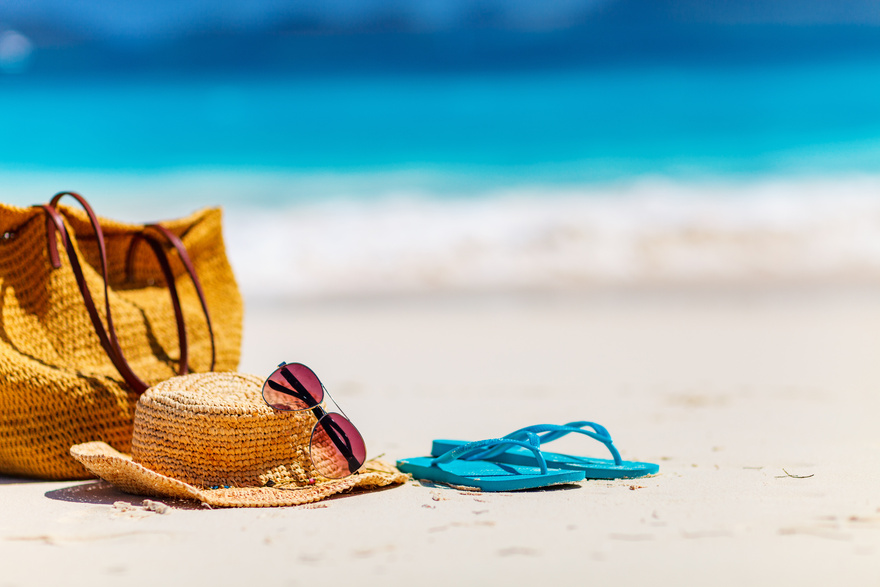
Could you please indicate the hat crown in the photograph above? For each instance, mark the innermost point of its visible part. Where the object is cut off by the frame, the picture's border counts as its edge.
(214, 429)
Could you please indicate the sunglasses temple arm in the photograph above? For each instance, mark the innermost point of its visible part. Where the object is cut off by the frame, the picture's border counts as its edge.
(306, 398)
(297, 385)
(340, 439)
(337, 436)
(343, 443)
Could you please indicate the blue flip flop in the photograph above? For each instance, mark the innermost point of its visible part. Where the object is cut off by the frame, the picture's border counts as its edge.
(593, 468)
(456, 467)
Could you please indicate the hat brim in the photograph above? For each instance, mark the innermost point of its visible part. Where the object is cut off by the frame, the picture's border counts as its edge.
(119, 469)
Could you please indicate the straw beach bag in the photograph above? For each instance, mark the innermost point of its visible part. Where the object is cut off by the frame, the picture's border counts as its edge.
(92, 313)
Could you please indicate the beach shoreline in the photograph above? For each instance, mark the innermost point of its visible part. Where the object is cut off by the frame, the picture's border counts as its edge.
(292, 235)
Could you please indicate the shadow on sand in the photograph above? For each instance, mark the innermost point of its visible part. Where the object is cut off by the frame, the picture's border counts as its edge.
(100, 492)
(104, 493)
(475, 491)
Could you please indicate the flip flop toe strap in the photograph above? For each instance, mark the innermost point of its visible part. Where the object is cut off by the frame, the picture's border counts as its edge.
(472, 450)
(550, 432)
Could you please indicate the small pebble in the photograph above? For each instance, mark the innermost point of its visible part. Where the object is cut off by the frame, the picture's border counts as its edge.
(156, 506)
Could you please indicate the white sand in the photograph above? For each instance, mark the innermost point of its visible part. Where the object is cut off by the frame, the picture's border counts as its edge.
(725, 390)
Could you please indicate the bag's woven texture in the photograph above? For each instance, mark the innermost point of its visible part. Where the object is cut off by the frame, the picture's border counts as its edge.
(211, 437)
(58, 387)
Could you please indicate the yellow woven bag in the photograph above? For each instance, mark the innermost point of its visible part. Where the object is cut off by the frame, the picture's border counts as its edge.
(92, 312)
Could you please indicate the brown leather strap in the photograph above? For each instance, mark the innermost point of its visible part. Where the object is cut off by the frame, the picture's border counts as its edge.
(178, 245)
(156, 246)
(106, 335)
(51, 229)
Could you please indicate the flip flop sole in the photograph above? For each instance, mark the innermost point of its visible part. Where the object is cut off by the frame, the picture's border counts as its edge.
(592, 468)
(486, 475)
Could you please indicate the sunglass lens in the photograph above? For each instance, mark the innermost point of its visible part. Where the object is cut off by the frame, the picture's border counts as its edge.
(337, 448)
(293, 387)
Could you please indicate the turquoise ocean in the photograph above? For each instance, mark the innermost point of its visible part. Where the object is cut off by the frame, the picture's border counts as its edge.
(336, 180)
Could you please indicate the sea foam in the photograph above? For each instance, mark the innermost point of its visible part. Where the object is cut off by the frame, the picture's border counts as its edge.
(356, 238)
(649, 232)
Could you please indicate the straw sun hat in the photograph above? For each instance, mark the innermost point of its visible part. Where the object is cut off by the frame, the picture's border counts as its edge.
(211, 437)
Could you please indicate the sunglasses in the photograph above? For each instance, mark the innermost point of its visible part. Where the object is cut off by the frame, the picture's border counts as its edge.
(336, 447)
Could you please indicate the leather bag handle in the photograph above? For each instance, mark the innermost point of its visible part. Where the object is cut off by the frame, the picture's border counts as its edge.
(107, 335)
(177, 244)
